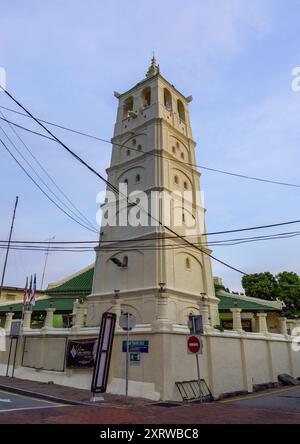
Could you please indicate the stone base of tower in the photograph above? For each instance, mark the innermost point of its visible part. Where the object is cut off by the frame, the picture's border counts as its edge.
(161, 309)
(166, 362)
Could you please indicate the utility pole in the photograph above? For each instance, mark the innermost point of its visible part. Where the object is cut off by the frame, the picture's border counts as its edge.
(8, 244)
(46, 260)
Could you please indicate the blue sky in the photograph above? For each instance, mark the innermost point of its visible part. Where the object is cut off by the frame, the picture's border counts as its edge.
(64, 59)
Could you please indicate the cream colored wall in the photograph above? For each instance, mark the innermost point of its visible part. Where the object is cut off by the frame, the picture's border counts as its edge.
(231, 362)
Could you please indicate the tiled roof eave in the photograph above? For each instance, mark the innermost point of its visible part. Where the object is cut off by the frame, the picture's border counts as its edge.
(69, 293)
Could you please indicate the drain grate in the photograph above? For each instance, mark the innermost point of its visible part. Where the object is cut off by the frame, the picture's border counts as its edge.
(168, 405)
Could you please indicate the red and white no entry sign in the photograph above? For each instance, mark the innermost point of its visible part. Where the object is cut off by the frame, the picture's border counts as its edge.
(194, 344)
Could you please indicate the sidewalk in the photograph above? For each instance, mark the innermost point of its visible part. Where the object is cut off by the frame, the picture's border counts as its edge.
(70, 395)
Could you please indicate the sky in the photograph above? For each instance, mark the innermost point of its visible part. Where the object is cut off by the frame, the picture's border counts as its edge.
(64, 59)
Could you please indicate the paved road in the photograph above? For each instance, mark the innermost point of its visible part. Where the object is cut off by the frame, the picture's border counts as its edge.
(275, 407)
(285, 399)
(13, 403)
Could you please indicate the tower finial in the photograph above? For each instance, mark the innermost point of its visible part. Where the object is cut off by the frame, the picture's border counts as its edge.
(153, 68)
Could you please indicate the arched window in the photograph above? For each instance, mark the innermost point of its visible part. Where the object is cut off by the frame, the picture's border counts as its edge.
(146, 97)
(185, 185)
(140, 147)
(180, 109)
(125, 262)
(137, 178)
(128, 152)
(133, 141)
(176, 180)
(177, 145)
(173, 149)
(126, 181)
(188, 263)
(182, 155)
(128, 106)
(167, 99)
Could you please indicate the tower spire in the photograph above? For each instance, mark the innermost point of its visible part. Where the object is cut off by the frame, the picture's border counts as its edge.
(153, 68)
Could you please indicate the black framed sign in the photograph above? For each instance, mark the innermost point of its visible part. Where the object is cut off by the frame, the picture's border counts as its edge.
(15, 329)
(81, 353)
(105, 343)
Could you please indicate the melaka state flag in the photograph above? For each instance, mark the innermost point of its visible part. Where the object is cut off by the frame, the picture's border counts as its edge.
(25, 292)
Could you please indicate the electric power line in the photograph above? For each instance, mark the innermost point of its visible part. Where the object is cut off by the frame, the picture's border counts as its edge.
(82, 245)
(46, 185)
(124, 146)
(91, 136)
(40, 188)
(81, 215)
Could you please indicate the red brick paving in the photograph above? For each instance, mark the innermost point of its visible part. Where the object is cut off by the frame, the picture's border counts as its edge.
(191, 414)
(137, 411)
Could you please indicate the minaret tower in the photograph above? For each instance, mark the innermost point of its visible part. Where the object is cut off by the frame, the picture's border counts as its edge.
(153, 152)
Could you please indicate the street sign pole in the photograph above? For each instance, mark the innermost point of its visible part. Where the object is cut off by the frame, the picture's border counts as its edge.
(14, 363)
(127, 322)
(14, 335)
(198, 367)
(127, 361)
(199, 377)
(9, 354)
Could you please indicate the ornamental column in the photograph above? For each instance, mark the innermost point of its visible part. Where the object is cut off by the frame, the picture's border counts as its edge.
(283, 326)
(262, 326)
(27, 319)
(236, 319)
(8, 321)
(78, 315)
(116, 308)
(49, 318)
(162, 321)
(204, 312)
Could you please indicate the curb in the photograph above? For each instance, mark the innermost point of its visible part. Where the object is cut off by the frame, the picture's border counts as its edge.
(37, 395)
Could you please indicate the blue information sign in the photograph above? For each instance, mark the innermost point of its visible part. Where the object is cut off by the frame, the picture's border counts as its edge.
(136, 346)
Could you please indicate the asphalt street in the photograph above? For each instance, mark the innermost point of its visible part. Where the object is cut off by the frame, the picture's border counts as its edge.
(285, 399)
(12, 403)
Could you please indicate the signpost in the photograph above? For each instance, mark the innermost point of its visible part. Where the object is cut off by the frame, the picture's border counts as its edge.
(14, 334)
(196, 325)
(135, 358)
(103, 356)
(127, 322)
(141, 346)
(195, 344)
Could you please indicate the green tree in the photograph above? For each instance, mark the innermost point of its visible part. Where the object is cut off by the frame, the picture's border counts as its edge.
(288, 290)
(284, 286)
(260, 285)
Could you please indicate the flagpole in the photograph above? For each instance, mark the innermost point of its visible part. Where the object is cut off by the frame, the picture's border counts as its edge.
(46, 260)
(24, 298)
(8, 245)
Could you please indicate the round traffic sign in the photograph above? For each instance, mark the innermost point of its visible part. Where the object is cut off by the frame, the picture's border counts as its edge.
(194, 344)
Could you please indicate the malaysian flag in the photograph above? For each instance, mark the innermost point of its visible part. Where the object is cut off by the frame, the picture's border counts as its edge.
(25, 292)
